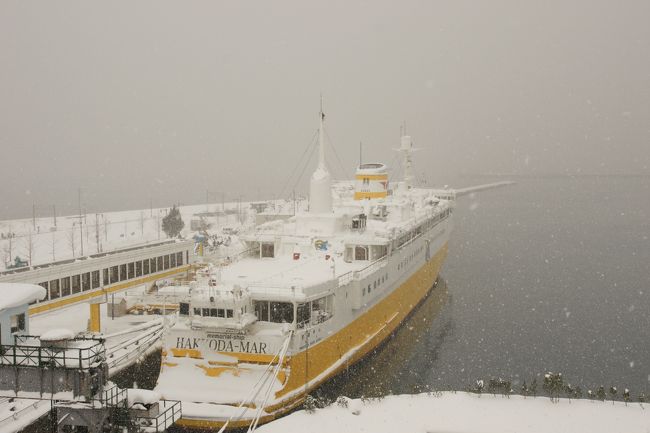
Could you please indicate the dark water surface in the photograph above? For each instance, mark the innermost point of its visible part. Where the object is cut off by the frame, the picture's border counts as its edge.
(548, 274)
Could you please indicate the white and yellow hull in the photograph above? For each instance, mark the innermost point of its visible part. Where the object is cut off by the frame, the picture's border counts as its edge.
(307, 369)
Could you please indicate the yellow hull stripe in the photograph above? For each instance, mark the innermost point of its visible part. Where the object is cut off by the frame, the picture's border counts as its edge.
(381, 320)
(84, 296)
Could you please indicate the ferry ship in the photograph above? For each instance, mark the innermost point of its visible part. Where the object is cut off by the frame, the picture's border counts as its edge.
(311, 295)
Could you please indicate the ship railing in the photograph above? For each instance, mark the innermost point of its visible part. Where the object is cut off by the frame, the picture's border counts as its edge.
(170, 412)
(273, 290)
(66, 355)
(361, 273)
(231, 258)
(113, 396)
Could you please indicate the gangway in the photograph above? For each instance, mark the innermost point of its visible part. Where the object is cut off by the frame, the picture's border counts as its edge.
(70, 378)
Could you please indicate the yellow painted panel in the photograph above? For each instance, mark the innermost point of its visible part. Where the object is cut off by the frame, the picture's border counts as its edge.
(372, 176)
(363, 195)
(95, 318)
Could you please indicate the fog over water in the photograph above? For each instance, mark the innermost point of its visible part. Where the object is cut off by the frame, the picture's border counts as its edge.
(161, 101)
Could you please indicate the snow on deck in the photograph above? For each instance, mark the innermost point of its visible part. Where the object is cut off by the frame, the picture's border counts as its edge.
(468, 413)
(199, 381)
(283, 271)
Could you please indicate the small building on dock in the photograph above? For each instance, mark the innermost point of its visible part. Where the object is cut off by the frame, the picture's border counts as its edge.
(14, 308)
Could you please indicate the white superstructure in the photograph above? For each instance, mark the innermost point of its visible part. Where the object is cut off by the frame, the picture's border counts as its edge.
(313, 294)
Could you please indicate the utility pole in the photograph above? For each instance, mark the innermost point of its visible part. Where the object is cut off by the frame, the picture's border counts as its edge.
(97, 241)
(31, 247)
(81, 233)
(54, 214)
(72, 239)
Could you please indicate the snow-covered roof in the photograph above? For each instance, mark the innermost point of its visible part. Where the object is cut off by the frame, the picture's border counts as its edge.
(58, 334)
(16, 294)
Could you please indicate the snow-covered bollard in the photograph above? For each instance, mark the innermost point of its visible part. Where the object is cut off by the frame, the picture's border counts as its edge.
(354, 406)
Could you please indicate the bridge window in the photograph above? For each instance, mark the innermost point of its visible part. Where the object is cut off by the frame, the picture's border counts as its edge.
(179, 259)
(197, 311)
(267, 249)
(115, 274)
(76, 284)
(65, 286)
(105, 276)
(184, 309)
(277, 312)
(221, 312)
(206, 312)
(159, 264)
(360, 253)
(228, 313)
(95, 279)
(54, 289)
(154, 265)
(262, 310)
(123, 275)
(145, 267)
(138, 268)
(85, 281)
(166, 261)
(213, 312)
(131, 267)
(172, 260)
(315, 312)
(281, 312)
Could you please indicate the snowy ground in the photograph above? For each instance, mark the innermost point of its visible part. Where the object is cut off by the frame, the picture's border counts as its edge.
(44, 241)
(468, 413)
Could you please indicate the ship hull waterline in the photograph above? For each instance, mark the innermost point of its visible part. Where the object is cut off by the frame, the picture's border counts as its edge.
(361, 336)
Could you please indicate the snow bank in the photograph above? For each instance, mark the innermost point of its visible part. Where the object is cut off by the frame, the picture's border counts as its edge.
(142, 396)
(17, 294)
(468, 413)
(57, 334)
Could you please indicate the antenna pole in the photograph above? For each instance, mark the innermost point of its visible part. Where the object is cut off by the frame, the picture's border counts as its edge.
(360, 153)
(321, 137)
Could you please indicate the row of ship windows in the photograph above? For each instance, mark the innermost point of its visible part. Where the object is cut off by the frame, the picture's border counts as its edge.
(378, 282)
(410, 257)
(90, 280)
(426, 225)
(226, 313)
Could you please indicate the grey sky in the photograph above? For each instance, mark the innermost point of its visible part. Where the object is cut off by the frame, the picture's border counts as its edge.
(163, 100)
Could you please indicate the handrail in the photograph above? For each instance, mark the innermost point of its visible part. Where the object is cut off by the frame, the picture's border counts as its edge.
(15, 415)
(53, 356)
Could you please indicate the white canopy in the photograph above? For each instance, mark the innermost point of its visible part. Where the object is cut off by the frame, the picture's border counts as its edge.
(16, 294)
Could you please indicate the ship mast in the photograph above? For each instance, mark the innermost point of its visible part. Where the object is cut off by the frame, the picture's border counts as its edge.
(407, 149)
(320, 186)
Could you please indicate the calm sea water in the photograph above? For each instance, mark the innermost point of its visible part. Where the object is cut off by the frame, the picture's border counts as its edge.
(551, 274)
